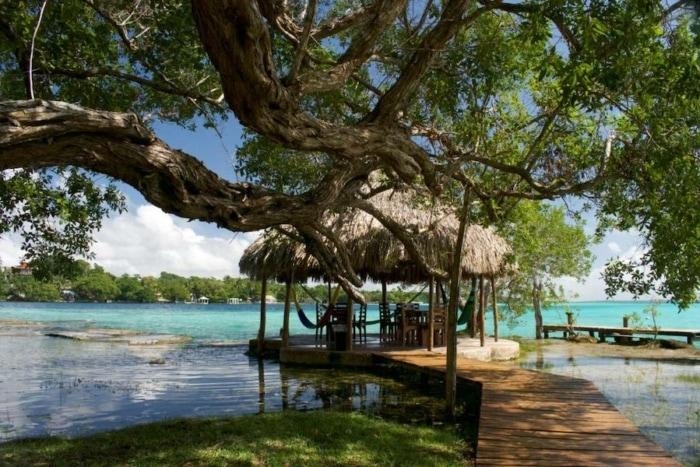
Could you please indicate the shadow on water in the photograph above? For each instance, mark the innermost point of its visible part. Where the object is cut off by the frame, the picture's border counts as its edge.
(62, 387)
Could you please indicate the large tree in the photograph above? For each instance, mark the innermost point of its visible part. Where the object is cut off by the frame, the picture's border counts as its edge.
(481, 101)
(546, 247)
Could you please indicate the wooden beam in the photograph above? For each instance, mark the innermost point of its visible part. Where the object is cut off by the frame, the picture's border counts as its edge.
(348, 335)
(482, 331)
(431, 313)
(287, 298)
(263, 306)
(495, 309)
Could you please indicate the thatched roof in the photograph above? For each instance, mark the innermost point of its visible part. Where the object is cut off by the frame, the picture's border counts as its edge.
(378, 255)
(274, 255)
(375, 252)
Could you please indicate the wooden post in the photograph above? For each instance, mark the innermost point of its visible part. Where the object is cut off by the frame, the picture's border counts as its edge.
(431, 312)
(263, 306)
(625, 321)
(495, 309)
(348, 335)
(383, 290)
(569, 318)
(481, 311)
(475, 312)
(287, 299)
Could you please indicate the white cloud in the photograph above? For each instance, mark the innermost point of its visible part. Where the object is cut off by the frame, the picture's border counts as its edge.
(614, 247)
(147, 241)
(151, 241)
(10, 251)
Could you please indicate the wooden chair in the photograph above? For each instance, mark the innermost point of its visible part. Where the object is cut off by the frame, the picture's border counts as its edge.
(339, 315)
(320, 311)
(359, 324)
(387, 323)
(439, 326)
(410, 325)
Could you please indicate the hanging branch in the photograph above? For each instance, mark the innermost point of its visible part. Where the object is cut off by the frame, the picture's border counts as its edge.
(31, 49)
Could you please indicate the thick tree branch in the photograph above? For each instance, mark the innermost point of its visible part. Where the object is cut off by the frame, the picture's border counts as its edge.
(434, 41)
(237, 40)
(359, 51)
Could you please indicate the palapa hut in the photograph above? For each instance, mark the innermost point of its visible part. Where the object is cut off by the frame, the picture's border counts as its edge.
(378, 255)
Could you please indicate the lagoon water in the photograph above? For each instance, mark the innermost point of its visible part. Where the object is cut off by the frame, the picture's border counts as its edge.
(65, 387)
(240, 322)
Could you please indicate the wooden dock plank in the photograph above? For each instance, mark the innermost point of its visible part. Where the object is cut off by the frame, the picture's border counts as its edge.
(535, 418)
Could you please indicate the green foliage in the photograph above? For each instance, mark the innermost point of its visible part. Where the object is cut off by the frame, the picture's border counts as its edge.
(56, 213)
(287, 438)
(656, 191)
(96, 285)
(31, 289)
(546, 247)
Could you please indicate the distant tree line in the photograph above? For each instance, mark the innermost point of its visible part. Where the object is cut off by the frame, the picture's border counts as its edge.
(91, 283)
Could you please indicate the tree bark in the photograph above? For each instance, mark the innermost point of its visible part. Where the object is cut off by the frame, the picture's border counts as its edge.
(536, 306)
(451, 325)
(38, 134)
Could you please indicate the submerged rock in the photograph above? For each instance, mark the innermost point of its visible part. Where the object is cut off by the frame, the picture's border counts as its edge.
(120, 336)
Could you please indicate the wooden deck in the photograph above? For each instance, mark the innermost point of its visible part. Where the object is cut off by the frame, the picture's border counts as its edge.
(534, 418)
(611, 331)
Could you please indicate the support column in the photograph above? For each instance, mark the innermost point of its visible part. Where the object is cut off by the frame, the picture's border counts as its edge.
(431, 314)
(348, 335)
(475, 311)
(383, 290)
(263, 309)
(481, 311)
(495, 309)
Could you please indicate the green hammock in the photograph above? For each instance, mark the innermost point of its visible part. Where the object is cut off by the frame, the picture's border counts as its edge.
(468, 307)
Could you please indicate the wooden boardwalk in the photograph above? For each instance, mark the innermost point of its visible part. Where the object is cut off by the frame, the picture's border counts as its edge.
(535, 418)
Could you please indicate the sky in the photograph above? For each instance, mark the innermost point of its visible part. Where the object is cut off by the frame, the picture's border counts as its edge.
(144, 240)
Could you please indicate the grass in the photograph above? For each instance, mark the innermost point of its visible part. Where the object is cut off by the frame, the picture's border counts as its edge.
(529, 345)
(290, 438)
(692, 379)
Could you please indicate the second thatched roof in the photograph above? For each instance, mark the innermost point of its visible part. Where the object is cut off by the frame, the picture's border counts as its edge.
(274, 256)
(379, 255)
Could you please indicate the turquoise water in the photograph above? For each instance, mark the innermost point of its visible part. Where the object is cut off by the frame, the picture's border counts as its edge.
(240, 322)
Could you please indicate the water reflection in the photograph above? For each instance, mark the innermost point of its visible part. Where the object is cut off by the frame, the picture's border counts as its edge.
(655, 395)
(52, 386)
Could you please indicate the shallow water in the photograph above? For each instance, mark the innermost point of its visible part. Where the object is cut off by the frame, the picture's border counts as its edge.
(657, 396)
(240, 322)
(53, 386)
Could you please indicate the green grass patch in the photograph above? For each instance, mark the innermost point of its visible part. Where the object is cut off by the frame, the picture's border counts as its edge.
(528, 345)
(291, 438)
(692, 379)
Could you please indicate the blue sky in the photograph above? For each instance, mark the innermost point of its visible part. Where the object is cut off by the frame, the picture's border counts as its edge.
(146, 241)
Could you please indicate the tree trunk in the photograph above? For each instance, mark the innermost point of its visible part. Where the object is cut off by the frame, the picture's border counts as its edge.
(263, 306)
(475, 309)
(536, 306)
(451, 325)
